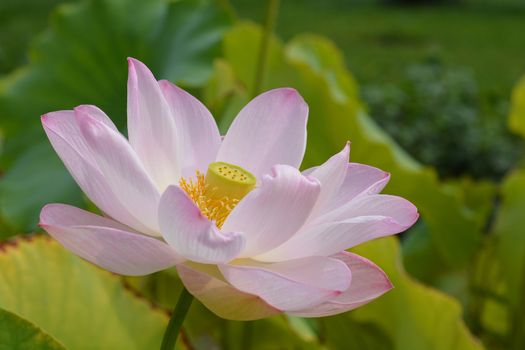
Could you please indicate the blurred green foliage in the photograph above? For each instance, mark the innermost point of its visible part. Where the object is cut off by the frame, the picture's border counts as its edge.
(517, 113)
(19, 22)
(17, 333)
(435, 114)
(468, 248)
(379, 42)
(78, 304)
(510, 234)
(81, 60)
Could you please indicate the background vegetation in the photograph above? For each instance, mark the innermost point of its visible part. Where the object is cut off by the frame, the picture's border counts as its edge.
(431, 93)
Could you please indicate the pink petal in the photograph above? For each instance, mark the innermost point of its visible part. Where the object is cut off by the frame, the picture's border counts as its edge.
(151, 129)
(291, 285)
(207, 285)
(397, 208)
(191, 234)
(105, 242)
(199, 137)
(330, 238)
(68, 141)
(368, 283)
(98, 114)
(122, 170)
(331, 176)
(272, 213)
(359, 179)
(270, 130)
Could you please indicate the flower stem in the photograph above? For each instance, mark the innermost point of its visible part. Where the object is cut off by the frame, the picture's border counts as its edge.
(177, 318)
(517, 332)
(272, 10)
(247, 335)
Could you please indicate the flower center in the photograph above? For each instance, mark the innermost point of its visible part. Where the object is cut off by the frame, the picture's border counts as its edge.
(217, 193)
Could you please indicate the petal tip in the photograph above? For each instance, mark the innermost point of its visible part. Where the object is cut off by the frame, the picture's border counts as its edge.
(82, 108)
(43, 212)
(167, 86)
(346, 149)
(414, 213)
(313, 181)
(164, 83)
(50, 117)
(389, 285)
(290, 95)
(290, 91)
(415, 218)
(135, 65)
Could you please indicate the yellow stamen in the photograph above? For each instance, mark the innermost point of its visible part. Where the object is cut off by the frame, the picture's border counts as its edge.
(215, 208)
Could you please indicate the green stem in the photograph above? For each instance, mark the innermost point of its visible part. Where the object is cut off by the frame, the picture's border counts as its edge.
(246, 341)
(518, 321)
(476, 304)
(269, 24)
(177, 318)
(225, 336)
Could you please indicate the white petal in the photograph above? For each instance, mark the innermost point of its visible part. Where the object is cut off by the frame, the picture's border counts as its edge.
(98, 114)
(270, 130)
(69, 142)
(331, 176)
(151, 129)
(105, 242)
(291, 285)
(269, 215)
(191, 234)
(360, 179)
(368, 283)
(199, 137)
(207, 284)
(398, 208)
(122, 170)
(330, 238)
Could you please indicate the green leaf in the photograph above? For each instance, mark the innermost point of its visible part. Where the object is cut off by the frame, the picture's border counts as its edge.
(314, 67)
(517, 111)
(344, 332)
(510, 230)
(18, 334)
(223, 95)
(420, 255)
(322, 56)
(81, 59)
(510, 233)
(414, 316)
(18, 26)
(20, 201)
(73, 301)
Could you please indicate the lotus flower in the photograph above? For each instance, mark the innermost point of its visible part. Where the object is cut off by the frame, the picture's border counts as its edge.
(250, 235)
